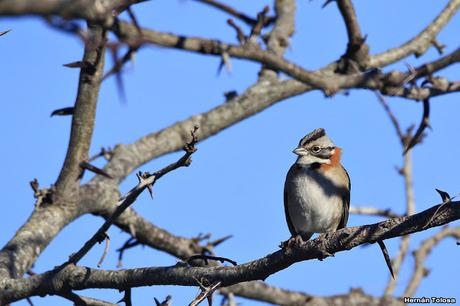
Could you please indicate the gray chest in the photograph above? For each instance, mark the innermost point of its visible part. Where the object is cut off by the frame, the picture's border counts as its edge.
(314, 202)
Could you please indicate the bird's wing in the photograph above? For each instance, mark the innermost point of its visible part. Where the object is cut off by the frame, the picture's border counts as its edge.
(286, 209)
(346, 202)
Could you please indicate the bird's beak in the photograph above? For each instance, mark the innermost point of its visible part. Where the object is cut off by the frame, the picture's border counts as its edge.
(300, 151)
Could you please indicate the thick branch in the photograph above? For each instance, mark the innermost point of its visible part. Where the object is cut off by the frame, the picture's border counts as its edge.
(84, 113)
(283, 28)
(48, 220)
(357, 50)
(89, 10)
(78, 278)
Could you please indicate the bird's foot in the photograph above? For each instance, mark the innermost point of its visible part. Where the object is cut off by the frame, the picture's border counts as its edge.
(291, 242)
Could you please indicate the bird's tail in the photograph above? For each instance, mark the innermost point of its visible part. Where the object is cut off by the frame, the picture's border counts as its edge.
(386, 256)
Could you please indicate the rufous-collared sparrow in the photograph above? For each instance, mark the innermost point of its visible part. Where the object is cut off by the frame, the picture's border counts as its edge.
(317, 190)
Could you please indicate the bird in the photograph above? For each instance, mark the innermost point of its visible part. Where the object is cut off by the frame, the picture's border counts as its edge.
(317, 190)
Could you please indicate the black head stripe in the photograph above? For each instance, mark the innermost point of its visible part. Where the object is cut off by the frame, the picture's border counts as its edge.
(316, 134)
(325, 153)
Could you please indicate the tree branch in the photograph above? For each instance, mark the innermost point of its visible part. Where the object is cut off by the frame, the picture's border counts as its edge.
(78, 278)
(89, 10)
(146, 181)
(372, 211)
(260, 291)
(84, 113)
(46, 221)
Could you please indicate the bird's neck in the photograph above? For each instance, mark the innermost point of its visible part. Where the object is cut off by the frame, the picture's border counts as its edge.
(335, 160)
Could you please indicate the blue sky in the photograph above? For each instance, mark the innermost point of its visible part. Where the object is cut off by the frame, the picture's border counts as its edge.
(235, 183)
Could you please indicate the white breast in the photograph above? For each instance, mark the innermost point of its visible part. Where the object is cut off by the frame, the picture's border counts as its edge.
(313, 201)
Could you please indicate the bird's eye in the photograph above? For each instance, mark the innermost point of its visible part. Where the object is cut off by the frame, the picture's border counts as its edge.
(316, 149)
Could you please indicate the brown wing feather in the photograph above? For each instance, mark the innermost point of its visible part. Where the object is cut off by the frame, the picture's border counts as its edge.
(346, 202)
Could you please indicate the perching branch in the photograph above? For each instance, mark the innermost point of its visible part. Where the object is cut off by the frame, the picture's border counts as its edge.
(78, 278)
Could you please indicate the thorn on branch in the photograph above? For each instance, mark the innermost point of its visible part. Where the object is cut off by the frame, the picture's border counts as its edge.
(134, 20)
(206, 259)
(106, 153)
(423, 125)
(41, 195)
(262, 19)
(106, 249)
(239, 33)
(230, 95)
(4, 32)
(130, 243)
(66, 111)
(167, 301)
(439, 47)
(87, 166)
(189, 147)
(28, 299)
(225, 61)
(445, 200)
(444, 196)
(206, 292)
(142, 176)
(208, 247)
(78, 64)
(327, 3)
(126, 298)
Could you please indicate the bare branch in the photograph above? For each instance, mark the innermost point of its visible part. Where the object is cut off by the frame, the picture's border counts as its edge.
(106, 250)
(94, 11)
(206, 293)
(423, 125)
(83, 301)
(145, 179)
(406, 172)
(260, 291)
(73, 277)
(372, 211)
(357, 49)
(84, 113)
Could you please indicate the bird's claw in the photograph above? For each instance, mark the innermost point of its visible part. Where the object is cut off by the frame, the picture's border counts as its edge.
(292, 242)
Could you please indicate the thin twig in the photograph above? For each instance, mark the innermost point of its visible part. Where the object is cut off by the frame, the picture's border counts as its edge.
(130, 243)
(421, 128)
(372, 211)
(206, 293)
(131, 196)
(205, 258)
(106, 250)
